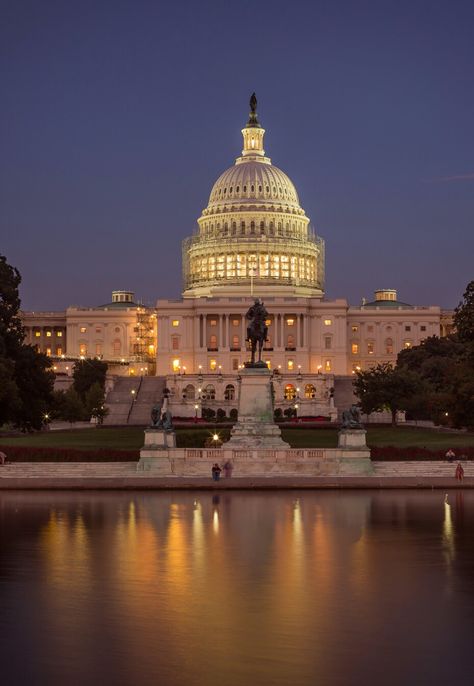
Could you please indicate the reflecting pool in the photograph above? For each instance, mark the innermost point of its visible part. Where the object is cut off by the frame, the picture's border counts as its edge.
(256, 588)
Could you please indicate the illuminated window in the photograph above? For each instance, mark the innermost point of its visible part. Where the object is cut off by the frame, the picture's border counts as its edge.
(389, 346)
(48, 352)
(235, 364)
(290, 392)
(229, 393)
(213, 322)
(48, 334)
(309, 391)
(327, 342)
(235, 343)
(407, 344)
(290, 364)
(327, 322)
(290, 342)
(355, 348)
(59, 334)
(268, 322)
(290, 322)
(175, 322)
(209, 393)
(235, 322)
(370, 348)
(355, 329)
(176, 365)
(83, 350)
(151, 348)
(212, 345)
(59, 350)
(37, 334)
(212, 365)
(98, 349)
(327, 365)
(83, 329)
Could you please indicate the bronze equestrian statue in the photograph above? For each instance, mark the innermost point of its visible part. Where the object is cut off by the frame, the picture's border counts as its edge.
(257, 330)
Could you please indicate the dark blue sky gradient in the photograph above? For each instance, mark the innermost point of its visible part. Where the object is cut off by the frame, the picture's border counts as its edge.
(117, 117)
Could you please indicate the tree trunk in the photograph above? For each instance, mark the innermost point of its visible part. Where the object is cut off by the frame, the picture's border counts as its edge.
(394, 417)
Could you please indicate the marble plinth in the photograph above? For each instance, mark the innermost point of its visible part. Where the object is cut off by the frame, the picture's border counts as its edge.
(155, 454)
(353, 439)
(255, 427)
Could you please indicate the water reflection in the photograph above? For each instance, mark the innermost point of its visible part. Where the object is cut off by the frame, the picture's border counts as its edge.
(240, 588)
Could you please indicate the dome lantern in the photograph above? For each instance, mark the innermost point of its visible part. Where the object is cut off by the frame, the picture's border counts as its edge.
(253, 134)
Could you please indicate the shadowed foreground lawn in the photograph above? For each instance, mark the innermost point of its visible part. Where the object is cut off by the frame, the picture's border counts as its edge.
(131, 438)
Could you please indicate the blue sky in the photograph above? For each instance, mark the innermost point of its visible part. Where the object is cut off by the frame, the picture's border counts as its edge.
(117, 117)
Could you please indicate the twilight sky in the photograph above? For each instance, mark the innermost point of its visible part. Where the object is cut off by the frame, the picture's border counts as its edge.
(118, 116)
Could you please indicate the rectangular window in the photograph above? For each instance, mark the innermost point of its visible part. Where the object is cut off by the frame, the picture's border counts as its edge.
(213, 322)
(48, 352)
(98, 349)
(355, 329)
(370, 348)
(59, 334)
(290, 322)
(370, 328)
(423, 328)
(355, 348)
(327, 365)
(83, 350)
(37, 334)
(235, 364)
(48, 334)
(290, 364)
(235, 322)
(98, 330)
(212, 365)
(175, 343)
(327, 342)
(176, 365)
(407, 344)
(327, 322)
(83, 329)
(407, 328)
(59, 351)
(175, 322)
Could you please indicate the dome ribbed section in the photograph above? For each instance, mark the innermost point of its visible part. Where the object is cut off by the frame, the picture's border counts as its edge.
(253, 233)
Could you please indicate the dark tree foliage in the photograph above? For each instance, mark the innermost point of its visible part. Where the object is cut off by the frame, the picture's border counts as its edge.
(87, 373)
(464, 316)
(26, 382)
(386, 388)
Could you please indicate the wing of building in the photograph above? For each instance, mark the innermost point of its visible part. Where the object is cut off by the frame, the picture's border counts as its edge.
(253, 239)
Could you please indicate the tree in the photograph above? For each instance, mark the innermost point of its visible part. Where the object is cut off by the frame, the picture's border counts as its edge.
(464, 316)
(73, 407)
(25, 375)
(386, 388)
(94, 403)
(87, 373)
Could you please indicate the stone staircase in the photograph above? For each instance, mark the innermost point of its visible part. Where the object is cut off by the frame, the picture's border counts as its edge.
(419, 468)
(131, 399)
(60, 470)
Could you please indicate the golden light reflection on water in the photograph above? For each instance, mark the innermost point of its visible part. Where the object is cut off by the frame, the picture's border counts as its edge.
(252, 575)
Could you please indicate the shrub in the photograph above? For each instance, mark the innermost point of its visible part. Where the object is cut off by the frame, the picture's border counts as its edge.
(221, 415)
(278, 414)
(234, 414)
(396, 453)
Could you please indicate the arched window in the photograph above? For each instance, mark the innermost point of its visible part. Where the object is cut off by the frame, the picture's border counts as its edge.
(209, 392)
(290, 392)
(229, 393)
(389, 346)
(252, 227)
(309, 391)
(189, 392)
(262, 227)
(242, 227)
(234, 228)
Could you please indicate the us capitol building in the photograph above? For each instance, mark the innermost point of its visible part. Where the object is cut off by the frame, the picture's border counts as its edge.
(253, 239)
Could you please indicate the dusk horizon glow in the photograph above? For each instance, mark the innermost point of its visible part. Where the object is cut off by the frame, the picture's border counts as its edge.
(117, 120)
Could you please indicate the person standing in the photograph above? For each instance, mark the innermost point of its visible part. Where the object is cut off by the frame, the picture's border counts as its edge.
(459, 473)
(216, 472)
(228, 467)
(3, 458)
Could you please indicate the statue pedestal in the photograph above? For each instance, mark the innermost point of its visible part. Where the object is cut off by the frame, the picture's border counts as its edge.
(255, 427)
(352, 439)
(155, 453)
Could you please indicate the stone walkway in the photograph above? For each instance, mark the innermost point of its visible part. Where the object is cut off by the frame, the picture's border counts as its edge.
(123, 475)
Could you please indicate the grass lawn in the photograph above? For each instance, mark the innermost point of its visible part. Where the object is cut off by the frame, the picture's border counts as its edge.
(131, 438)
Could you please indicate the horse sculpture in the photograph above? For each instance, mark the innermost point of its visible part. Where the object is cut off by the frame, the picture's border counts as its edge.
(257, 330)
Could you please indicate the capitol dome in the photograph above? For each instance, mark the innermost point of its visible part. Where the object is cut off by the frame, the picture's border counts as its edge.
(253, 232)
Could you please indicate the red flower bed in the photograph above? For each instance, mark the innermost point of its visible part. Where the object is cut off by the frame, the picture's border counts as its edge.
(396, 453)
(19, 453)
